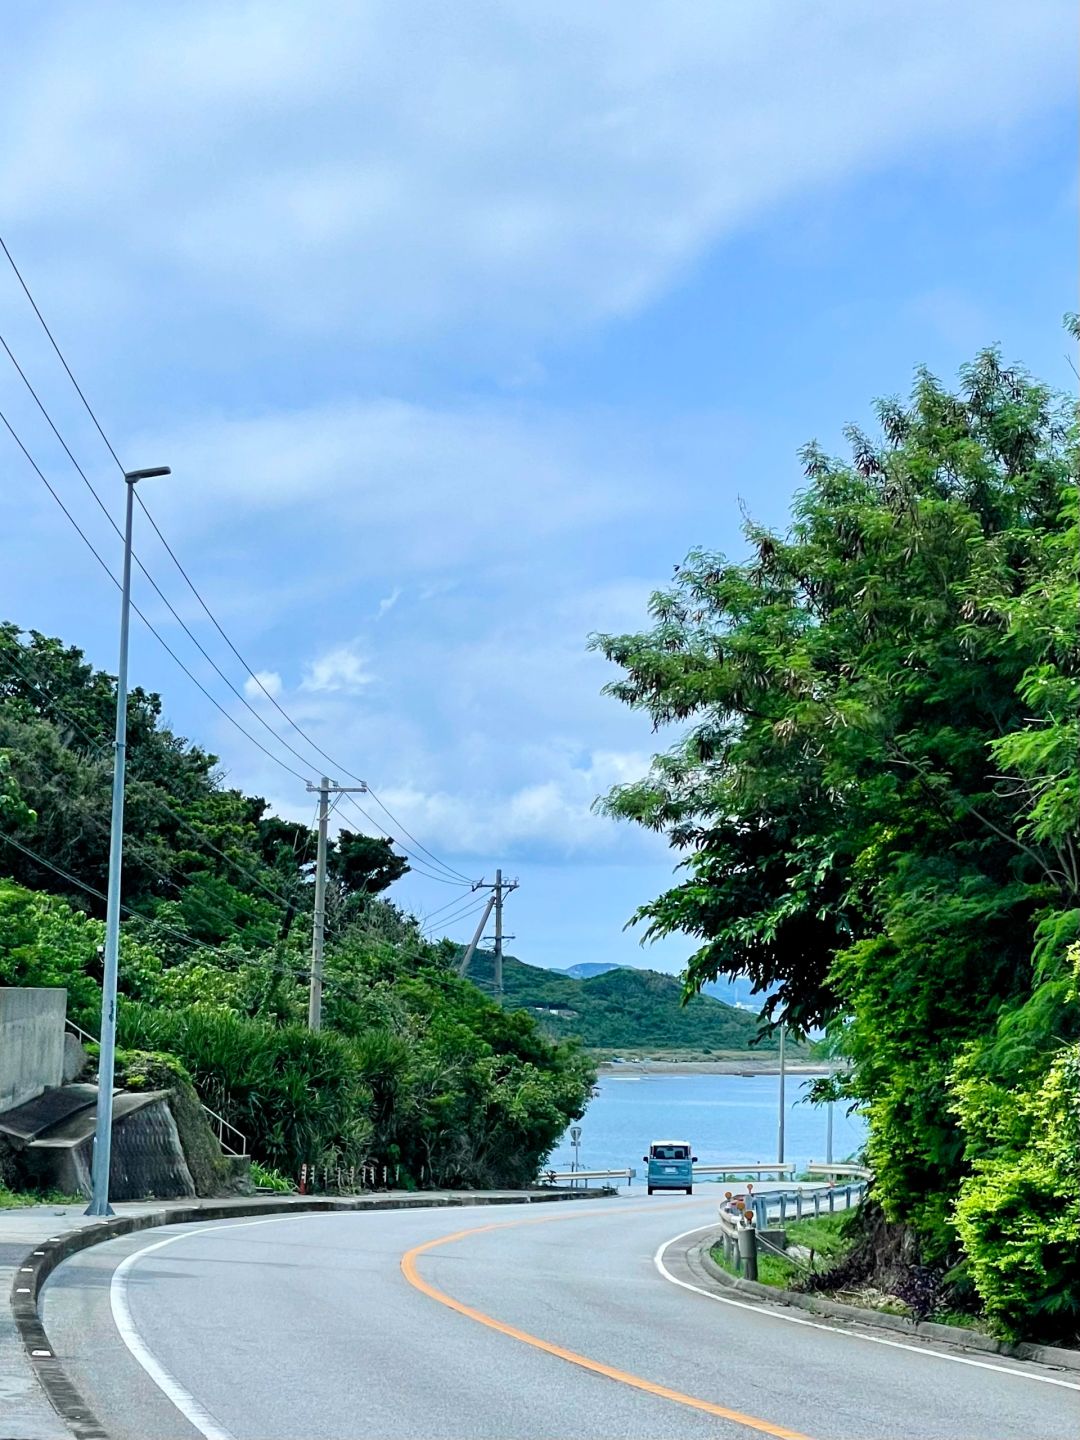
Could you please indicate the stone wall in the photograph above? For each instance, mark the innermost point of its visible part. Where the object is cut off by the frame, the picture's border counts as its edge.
(31, 1043)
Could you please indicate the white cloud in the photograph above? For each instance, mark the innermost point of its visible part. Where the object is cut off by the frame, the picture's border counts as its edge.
(392, 168)
(263, 682)
(551, 814)
(416, 486)
(341, 669)
(388, 602)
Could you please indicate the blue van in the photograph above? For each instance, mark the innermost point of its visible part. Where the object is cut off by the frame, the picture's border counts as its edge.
(670, 1166)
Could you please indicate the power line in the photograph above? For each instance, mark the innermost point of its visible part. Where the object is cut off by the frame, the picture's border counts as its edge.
(99, 894)
(416, 867)
(448, 868)
(59, 352)
(304, 759)
(450, 904)
(440, 864)
(254, 674)
(153, 793)
(155, 632)
(279, 964)
(473, 908)
(460, 904)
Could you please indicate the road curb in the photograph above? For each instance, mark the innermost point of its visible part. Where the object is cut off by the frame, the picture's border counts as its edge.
(36, 1267)
(954, 1335)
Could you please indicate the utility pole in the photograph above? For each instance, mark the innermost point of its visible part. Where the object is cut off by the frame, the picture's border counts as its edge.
(102, 1155)
(500, 888)
(325, 788)
(780, 1113)
(498, 975)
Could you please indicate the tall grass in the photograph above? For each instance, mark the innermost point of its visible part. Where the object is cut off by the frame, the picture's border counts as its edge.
(300, 1095)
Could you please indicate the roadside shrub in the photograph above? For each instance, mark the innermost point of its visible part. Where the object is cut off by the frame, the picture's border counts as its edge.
(298, 1094)
(1019, 1213)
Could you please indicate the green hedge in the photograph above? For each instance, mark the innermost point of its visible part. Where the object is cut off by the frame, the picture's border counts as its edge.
(298, 1094)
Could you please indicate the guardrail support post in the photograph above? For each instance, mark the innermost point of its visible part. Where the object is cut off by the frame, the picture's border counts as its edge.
(748, 1252)
(832, 1200)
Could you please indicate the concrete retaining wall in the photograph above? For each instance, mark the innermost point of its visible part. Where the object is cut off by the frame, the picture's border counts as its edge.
(31, 1043)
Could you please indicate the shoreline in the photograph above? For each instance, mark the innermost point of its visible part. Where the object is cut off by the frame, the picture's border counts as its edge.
(710, 1067)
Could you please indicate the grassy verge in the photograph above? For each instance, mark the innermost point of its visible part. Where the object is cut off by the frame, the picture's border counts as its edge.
(20, 1199)
(828, 1241)
(823, 1237)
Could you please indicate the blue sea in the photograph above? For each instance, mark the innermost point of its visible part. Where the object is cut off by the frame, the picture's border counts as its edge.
(725, 1118)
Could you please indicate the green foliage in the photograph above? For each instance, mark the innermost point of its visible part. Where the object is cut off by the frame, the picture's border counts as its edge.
(264, 1178)
(1018, 1213)
(299, 1094)
(874, 799)
(414, 1069)
(45, 941)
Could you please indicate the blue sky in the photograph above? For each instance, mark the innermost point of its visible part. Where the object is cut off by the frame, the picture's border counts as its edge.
(460, 325)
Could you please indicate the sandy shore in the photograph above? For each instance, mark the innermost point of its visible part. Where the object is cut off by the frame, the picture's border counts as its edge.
(748, 1066)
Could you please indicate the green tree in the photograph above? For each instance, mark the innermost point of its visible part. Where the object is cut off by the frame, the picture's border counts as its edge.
(874, 796)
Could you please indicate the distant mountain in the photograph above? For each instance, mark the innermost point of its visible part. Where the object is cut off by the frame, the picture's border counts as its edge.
(620, 1008)
(588, 969)
(732, 992)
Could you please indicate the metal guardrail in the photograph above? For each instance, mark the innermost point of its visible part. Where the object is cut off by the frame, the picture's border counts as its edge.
(741, 1219)
(783, 1206)
(858, 1172)
(238, 1145)
(554, 1176)
(759, 1169)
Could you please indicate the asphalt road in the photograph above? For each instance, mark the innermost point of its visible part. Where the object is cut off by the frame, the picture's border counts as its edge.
(528, 1324)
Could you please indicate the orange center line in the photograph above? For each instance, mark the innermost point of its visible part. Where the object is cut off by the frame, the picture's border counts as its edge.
(584, 1362)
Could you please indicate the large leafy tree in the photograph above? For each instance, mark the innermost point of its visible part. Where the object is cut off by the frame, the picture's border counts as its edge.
(873, 795)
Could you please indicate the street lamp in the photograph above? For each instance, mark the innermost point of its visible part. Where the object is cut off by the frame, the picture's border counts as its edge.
(99, 1198)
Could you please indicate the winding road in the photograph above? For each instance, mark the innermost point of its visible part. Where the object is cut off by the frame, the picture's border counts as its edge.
(536, 1323)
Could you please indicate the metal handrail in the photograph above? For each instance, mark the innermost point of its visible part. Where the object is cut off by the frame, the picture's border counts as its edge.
(79, 1032)
(222, 1126)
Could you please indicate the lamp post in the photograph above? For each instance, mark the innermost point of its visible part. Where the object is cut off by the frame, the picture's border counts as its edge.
(781, 1112)
(99, 1199)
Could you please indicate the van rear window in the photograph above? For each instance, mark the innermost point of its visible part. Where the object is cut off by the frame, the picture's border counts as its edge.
(670, 1152)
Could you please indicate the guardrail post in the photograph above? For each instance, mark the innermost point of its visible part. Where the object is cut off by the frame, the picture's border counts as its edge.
(748, 1252)
(817, 1203)
(783, 1208)
(832, 1200)
(847, 1197)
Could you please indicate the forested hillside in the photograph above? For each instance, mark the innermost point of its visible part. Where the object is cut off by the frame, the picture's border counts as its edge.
(622, 1008)
(414, 1068)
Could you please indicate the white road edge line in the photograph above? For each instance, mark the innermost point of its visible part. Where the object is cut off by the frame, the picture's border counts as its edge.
(774, 1314)
(193, 1412)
